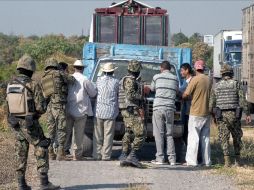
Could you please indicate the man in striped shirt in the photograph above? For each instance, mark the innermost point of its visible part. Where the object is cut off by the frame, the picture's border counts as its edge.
(106, 113)
(165, 86)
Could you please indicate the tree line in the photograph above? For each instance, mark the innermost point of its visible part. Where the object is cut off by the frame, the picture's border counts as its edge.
(200, 50)
(12, 47)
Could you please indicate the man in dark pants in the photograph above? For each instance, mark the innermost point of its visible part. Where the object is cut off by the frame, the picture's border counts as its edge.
(186, 73)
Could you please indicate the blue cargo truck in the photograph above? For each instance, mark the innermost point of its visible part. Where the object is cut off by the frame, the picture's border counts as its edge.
(111, 41)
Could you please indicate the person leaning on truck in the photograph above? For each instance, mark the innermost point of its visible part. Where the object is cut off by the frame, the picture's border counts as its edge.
(186, 73)
(131, 101)
(55, 89)
(165, 86)
(107, 110)
(227, 102)
(78, 108)
(25, 106)
(199, 118)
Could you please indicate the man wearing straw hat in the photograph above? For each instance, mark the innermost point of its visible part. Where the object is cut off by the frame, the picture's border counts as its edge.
(78, 108)
(106, 113)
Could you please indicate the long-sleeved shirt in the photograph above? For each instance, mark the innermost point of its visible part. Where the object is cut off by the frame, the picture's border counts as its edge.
(165, 86)
(107, 99)
(79, 94)
(187, 102)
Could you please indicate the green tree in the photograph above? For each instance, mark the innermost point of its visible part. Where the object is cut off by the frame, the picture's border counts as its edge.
(179, 38)
(195, 38)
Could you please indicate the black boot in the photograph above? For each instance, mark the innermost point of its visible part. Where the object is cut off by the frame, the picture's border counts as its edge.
(123, 156)
(22, 185)
(132, 159)
(45, 184)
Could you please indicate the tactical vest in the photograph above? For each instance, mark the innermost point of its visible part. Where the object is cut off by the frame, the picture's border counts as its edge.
(227, 94)
(54, 86)
(20, 99)
(122, 99)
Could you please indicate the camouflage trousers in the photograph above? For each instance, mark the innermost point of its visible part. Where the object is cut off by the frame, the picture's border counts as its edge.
(56, 122)
(135, 132)
(24, 136)
(229, 124)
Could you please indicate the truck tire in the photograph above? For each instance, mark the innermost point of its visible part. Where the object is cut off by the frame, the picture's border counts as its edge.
(88, 145)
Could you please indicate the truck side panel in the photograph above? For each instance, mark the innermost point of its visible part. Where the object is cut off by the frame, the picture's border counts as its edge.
(248, 52)
(218, 52)
(92, 52)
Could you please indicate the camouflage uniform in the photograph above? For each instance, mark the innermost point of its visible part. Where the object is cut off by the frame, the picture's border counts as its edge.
(56, 113)
(28, 131)
(130, 102)
(228, 123)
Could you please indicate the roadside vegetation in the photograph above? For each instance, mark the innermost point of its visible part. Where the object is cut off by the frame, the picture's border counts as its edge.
(243, 176)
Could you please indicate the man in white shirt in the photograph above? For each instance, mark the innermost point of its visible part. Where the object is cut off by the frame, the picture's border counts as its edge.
(78, 108)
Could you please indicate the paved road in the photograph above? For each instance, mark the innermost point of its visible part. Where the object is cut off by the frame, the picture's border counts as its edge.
(79, 175)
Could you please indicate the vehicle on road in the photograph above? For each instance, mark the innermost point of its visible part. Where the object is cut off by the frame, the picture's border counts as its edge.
(126, 31)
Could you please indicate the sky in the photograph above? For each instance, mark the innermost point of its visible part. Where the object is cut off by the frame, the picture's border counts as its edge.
(71, 17)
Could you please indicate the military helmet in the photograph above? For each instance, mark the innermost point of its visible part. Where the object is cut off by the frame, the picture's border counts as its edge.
(134, 66)
(51, 62)
(226, 68)
(26, 62)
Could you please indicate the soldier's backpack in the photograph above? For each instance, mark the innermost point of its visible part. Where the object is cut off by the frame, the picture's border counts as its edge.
(20, 99)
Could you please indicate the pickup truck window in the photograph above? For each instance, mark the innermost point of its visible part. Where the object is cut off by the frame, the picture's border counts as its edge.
(147, 73)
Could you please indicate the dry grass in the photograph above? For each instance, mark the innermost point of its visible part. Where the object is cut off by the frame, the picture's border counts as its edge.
(243, 176)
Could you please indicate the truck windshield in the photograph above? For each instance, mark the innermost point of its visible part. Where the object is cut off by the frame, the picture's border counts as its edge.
(147, 73)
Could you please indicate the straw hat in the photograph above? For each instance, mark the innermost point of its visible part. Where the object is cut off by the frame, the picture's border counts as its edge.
(108, 67)
(78, 63)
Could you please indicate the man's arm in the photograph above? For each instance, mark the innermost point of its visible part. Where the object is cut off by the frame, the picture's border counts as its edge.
(212, 100)
(39, 100)
(90, 88)
(243, 103)
(190, 89)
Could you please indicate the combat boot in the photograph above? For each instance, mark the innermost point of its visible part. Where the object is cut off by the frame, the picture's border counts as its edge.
(45, 184)
(132, 159)
(52, 155)
(227, 161)
(22, 185)
(60, 154)
(237, 161)
(123, 156)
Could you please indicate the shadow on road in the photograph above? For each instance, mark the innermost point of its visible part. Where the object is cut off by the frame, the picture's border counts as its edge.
(107, 186)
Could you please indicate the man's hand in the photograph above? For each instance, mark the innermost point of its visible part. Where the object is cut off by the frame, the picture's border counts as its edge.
(248, 119)
(146, 89)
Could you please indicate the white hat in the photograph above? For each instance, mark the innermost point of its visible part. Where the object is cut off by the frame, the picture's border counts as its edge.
(78, 63)
(108, 67)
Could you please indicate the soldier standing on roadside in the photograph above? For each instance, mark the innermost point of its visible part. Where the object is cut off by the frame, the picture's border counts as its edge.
(25, 105)
(55, 90)
(130, 104)
(227, 102)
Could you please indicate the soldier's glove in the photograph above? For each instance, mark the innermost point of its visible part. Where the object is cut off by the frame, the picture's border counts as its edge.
(13, 122)
(130, 109)
(44, 143)
(29, 121)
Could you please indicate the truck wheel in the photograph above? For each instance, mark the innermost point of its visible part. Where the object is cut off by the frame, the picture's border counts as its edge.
(88, 145)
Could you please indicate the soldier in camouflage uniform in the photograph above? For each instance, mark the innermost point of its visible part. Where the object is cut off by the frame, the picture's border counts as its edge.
(57, 98)
(130, 103)
(227, 100)
(26, 127)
